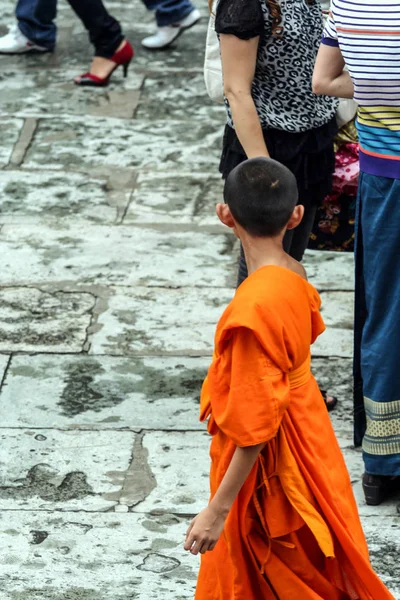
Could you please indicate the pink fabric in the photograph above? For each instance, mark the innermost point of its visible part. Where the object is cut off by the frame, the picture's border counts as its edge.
(347, 169)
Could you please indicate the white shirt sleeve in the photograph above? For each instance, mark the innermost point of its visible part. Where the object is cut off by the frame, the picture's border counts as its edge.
(330, 36)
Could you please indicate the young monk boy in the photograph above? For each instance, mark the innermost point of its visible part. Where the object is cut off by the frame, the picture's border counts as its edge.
(282, 521)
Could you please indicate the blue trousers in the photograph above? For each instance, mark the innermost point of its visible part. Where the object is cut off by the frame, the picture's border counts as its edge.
(377, 325)
(36, 21)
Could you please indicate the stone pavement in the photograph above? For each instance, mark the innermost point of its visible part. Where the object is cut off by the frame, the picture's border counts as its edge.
(114, 272)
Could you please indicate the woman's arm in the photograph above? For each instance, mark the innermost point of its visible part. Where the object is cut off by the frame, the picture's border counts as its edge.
(329, 77)
(238, 66)
(205, 529)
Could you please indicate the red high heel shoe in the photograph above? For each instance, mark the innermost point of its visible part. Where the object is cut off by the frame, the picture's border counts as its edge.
(122, 58)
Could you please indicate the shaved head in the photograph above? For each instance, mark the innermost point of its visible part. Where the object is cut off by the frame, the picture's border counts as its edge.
(261, 194)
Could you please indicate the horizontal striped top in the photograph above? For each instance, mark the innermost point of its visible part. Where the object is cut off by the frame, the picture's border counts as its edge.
(368, 34)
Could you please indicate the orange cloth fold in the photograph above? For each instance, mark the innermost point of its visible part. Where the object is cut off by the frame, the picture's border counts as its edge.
(294, 529)
(301, 375)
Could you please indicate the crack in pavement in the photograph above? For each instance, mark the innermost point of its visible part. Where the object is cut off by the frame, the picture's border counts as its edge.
(138, 481)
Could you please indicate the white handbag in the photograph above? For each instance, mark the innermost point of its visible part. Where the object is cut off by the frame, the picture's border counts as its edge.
(212, 62)
(346, 111)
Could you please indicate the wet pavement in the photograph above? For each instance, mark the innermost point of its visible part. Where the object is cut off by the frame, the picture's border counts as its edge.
(114, 272)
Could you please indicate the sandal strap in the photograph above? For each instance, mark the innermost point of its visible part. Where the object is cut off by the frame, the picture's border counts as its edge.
(92, 77)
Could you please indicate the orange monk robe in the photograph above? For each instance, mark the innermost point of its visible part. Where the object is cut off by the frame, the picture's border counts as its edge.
(293, 532)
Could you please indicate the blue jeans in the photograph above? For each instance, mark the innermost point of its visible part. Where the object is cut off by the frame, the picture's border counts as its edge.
(377, 326)
(169, 12)
(36, 21)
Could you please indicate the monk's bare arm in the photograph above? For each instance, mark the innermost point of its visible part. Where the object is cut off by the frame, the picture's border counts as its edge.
(206, 528)
(241, 464)
(238, 66)
(329, 76)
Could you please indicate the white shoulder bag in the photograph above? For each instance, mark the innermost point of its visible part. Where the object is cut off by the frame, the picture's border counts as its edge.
(212, 62)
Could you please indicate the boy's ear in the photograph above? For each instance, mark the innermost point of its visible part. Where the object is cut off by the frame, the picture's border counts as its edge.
(297, 217)
(225, 216)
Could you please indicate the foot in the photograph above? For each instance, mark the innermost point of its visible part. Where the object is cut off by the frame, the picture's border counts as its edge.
(164, 36)
(101, 67)
(378, 488)
(16, 43)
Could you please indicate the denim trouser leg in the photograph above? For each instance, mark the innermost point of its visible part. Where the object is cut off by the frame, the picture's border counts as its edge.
(378, 303)
(36, 21)
(104, 31)
(169, 12)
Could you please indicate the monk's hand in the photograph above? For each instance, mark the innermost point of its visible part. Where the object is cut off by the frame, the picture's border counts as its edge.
(204, 531)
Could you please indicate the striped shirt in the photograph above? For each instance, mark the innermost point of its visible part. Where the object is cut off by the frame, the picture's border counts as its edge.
(368, 34)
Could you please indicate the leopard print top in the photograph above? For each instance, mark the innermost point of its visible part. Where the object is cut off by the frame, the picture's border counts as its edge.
(281, 89)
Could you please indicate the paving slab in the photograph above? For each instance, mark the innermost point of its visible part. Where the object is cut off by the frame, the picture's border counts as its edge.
(173, 457)
(66, 56)
(95, 557)
(102, 392)
(384, 544)
(160, 321)
(186, 97)
(338, 313)
(334, 342)
(9, 134)
(332, 271)
(32, 320)
(170, 197)
(120, 255)
(46, 469)
(8, 13)
(44, 553)
(46, 92)
(186, 55)
(180, 464)
(14, 63)
(75, 143)
(337, 309)
(150, 321)
(34, 197)
(140, 393)
(4, 360)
